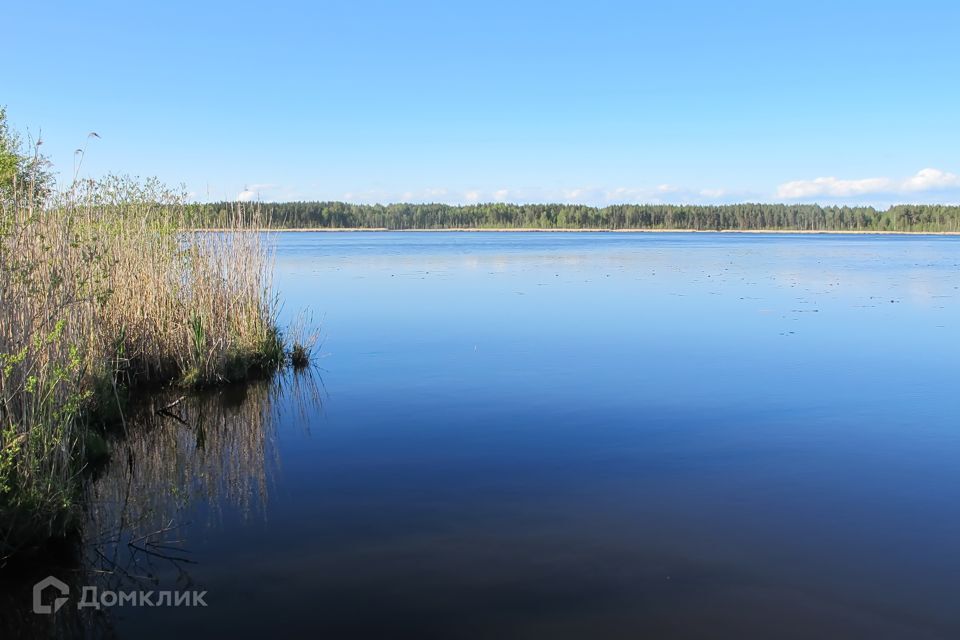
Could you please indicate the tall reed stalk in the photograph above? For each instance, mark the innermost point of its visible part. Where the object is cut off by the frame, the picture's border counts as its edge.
(104, 290)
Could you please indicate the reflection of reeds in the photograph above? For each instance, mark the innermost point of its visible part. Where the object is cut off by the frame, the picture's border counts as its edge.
(210, 449)
(17, 620)
(183, 457)
(190, 457)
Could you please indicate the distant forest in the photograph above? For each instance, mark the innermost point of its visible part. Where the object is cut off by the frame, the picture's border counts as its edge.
(327, 215)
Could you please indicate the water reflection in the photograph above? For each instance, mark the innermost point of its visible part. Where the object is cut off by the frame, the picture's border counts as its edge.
(185, 452)
(180, 464)
(697, 436)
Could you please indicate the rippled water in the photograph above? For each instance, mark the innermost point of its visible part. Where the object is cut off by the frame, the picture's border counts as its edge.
(570, 435)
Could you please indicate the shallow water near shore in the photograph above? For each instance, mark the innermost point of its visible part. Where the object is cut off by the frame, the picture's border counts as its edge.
(567, 435)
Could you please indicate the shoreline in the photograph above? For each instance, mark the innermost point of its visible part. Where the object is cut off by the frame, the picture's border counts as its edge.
(591, 230)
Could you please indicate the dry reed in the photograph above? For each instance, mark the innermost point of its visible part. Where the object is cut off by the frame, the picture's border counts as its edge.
(104, 290)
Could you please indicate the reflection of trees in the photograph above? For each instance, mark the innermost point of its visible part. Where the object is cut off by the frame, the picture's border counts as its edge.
(182, 461)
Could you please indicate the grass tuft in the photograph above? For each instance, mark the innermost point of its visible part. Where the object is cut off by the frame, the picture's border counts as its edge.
(299, 356)
(303, 339)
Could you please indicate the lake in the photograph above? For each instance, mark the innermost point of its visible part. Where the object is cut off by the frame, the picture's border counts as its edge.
(570, 435)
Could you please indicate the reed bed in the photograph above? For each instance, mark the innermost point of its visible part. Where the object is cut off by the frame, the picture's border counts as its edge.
(104, 290)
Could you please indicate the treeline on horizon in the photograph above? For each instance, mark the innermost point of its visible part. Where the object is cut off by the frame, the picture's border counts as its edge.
(801, 217)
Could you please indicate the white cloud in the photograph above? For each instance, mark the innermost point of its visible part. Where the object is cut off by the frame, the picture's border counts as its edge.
(383, 196)
(586, 195)
(254, 192)
(713, 193)
(831, 186)
(931, 179)
(923, 180)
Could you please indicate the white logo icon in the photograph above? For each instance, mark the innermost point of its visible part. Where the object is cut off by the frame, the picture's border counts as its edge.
(38, 589)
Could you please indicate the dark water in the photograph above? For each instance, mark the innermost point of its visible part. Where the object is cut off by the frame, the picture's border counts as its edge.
(571, 435)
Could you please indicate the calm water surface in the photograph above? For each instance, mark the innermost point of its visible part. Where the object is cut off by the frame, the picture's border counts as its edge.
(579, 435)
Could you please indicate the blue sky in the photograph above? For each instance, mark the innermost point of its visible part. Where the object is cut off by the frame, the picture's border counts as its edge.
(594, 102)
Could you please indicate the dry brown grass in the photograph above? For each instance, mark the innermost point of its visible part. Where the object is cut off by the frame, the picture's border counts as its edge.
(103, 290)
